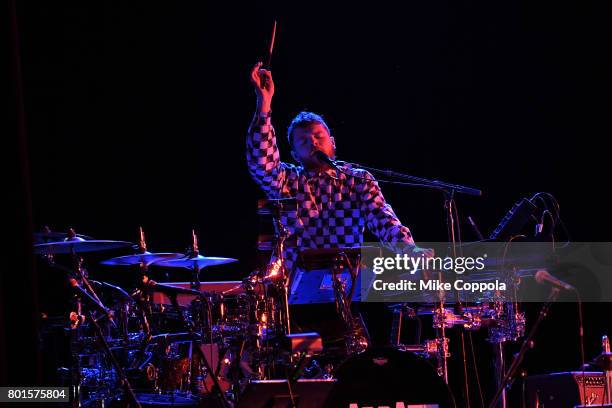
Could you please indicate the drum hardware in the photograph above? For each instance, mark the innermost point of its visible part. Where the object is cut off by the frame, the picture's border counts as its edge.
(90, 295)
(193, 339)
(93, 301)
(153, 360)
(399, 312)
(510, 326)
(125, 301)
(469, 317)
(357, 339)
(276, 272)
(527, 344)
(123, 380)
(429, 348)
(604, 360)
(509, 323)
(194, 261)
(46, 235)
(241, 322)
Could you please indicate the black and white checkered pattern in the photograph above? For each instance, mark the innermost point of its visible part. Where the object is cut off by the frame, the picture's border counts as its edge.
(333, 207)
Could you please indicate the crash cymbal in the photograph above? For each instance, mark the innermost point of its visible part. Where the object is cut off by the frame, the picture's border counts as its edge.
(43, 237)
(78, 245)
(193, 262)
(147, 258)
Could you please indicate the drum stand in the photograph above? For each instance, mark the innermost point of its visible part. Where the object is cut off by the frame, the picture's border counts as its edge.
(89, 293)
(222, 400)
(277, 267)
(123, 380)
(357, 339)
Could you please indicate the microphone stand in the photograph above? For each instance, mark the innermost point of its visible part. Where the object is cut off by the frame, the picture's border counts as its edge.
(449, 191)
(527, 344)
(417, 181)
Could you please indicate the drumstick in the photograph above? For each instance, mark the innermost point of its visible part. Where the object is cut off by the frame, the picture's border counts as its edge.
(269, 59)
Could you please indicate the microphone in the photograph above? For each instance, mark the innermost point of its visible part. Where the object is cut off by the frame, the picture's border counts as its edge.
(542, 276)
(85, 296)
(322, 157)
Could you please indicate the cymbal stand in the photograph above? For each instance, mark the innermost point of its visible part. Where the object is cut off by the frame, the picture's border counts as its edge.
(123, 380)
(80, 274)
(277, 270)
(195, 269)
(357, 339)
(511, 327)
(142, 295)
(195, 347)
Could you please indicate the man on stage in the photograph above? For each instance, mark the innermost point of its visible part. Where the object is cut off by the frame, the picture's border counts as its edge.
(333, 207)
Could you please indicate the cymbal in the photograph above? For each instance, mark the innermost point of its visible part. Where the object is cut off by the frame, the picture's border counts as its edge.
(43, 237)
(147, 258)
(193, 262)
(78, 245)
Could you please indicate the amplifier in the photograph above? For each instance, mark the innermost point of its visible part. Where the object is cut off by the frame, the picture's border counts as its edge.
(567, 389)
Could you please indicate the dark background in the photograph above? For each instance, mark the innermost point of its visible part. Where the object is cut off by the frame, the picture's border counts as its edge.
(136, 114)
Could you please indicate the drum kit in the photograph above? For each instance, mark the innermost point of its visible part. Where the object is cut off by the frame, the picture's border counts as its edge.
(198, 343)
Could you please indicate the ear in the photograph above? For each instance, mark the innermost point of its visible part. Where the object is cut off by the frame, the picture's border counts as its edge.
(333, 141)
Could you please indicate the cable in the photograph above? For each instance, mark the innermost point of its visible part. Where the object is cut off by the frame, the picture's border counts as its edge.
(465, 374)
(455, 215)
(476, 370)
(543, 196)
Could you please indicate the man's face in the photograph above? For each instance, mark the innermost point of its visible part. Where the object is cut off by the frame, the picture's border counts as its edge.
(308, 140)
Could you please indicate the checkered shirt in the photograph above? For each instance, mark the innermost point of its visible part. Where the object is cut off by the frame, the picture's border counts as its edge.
(333, 208)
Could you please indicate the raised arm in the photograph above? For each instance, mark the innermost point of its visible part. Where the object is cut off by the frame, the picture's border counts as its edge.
(263, 157)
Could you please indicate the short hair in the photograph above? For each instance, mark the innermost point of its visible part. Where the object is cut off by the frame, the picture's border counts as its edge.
(303, 120)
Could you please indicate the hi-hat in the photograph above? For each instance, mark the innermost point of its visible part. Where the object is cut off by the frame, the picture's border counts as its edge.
(195, 262)
(146, 258)
(78, 245)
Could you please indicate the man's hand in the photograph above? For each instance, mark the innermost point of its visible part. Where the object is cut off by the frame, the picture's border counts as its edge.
(264, 87)
(425, 252)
